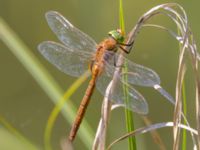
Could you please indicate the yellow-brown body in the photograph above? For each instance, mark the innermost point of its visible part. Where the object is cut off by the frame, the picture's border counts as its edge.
(97, 67)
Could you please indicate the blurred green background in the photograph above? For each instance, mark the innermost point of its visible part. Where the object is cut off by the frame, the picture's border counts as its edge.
(25, 105)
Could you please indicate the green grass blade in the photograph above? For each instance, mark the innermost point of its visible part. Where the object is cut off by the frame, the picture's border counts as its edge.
(121, 16)
(184, 135)
(184, 139)
(43, 78)
(128, 113)
(17, 139)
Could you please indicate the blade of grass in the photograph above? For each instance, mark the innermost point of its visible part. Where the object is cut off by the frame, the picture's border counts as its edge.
(128, 113)
(184, 139)
(18, 135)
(121, 16)
(184, 136)
(8, 141)
(43, 78)
(58, 107)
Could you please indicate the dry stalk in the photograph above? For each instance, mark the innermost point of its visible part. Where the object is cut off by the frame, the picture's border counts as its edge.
(185, 38)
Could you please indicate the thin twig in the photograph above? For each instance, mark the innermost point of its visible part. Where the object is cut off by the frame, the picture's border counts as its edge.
(149, 129)
(182, 22)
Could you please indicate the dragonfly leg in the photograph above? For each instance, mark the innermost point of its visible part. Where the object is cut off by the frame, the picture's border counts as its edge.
(130, 45)
(125, 50)
(127, 44)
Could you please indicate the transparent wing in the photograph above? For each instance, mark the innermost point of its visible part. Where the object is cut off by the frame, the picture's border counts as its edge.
(136, 74)
(137, 102)
(68, 34)
(69, 61)
(140, 75)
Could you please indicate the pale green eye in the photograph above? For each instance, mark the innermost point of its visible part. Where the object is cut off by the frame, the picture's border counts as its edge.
(117, 36)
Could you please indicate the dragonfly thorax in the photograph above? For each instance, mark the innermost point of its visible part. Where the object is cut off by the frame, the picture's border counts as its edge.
(105, 50)
(109, 44)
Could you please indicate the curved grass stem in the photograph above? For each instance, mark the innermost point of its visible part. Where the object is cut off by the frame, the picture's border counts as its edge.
(43, 78)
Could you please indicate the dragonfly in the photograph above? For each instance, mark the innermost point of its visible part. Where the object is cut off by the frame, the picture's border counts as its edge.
(79, 49)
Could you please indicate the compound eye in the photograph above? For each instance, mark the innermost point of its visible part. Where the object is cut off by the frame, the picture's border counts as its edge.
(117, 35)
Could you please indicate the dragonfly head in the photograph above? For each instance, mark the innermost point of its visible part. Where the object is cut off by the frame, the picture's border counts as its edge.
(117, 35)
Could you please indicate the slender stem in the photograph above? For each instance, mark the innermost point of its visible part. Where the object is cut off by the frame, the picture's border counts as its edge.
(27, 143)
(128, 113)
(42, 77)
(58, 107)
(184, 140)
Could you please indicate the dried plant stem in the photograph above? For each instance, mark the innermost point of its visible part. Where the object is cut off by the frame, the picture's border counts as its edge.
(182, 24)
(156, 137)
(187, 43)
(100, 138)
(149, 129)
(42, 77)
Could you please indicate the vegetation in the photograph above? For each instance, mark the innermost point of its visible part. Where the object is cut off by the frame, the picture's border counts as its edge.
(188, 57)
